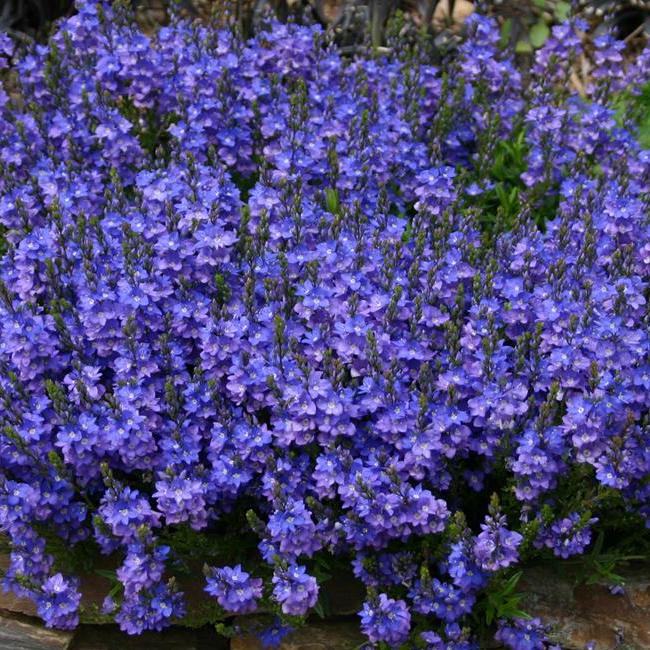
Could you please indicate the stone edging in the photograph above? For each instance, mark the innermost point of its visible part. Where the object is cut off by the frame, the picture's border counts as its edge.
(578, 614)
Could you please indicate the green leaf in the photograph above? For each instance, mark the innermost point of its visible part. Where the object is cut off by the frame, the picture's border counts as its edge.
(538, 34)
(598, 546)
(506, 30)
(523, 47)
(319, 609)
(408, 233)
(115, 589)
(332, 200)
(108, 574)
(511, 583)
(562, 11)
(520, 613)
(503, 601)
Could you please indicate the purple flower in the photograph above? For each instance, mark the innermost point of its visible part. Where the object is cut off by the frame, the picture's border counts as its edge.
(294, 590)
(522, 634)
(58, 603)
(126, 511)
(386, 620)
(321, 306)
(496, 547)
(235, 590)
(293, 531)
(271, 636)
(6, 49)
(568, 536)
(181, 498)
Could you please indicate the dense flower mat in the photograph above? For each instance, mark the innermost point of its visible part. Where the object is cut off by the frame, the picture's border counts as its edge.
(275, 311)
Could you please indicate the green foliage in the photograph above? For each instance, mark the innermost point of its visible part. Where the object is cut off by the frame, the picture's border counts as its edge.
(634, 110)
(502, 600)
(92, 615)
(116, 586)
(152, 132)
(500, 205)
(213, 547)
(538, 34)
(548, 12)
(208, 612)
(324, 567)
(332, 200)
(621, 541)
(77, 559)
(598, 567)
(562, 10)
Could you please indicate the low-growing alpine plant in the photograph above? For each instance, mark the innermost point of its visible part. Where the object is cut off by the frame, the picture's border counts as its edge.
(266, 309)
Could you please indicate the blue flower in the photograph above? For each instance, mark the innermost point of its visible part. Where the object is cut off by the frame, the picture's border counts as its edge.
(235, 590)
(386, 619)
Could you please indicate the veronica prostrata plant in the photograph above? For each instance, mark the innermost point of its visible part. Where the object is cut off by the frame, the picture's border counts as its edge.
(265, 308)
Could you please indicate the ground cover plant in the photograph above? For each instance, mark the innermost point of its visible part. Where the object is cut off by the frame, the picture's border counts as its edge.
(279, 312)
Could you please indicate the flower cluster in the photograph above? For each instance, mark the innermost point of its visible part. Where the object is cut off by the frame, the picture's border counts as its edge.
(521, 634)
(568, 536)
(58, 602)
(149, 603)
(328, 306)
(386, 620)
(496, 546)
(234, 589)
(294, 589)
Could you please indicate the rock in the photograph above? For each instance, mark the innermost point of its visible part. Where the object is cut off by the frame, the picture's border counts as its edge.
(582, 613)
(93, 590)
(576, 613)
(342, 595)
(462, 10)
(9, 602)
(329, 11)
(325, 635)
(23, 634)
(109, 637)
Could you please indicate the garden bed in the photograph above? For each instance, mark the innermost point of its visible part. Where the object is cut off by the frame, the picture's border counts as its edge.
(271, 316)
